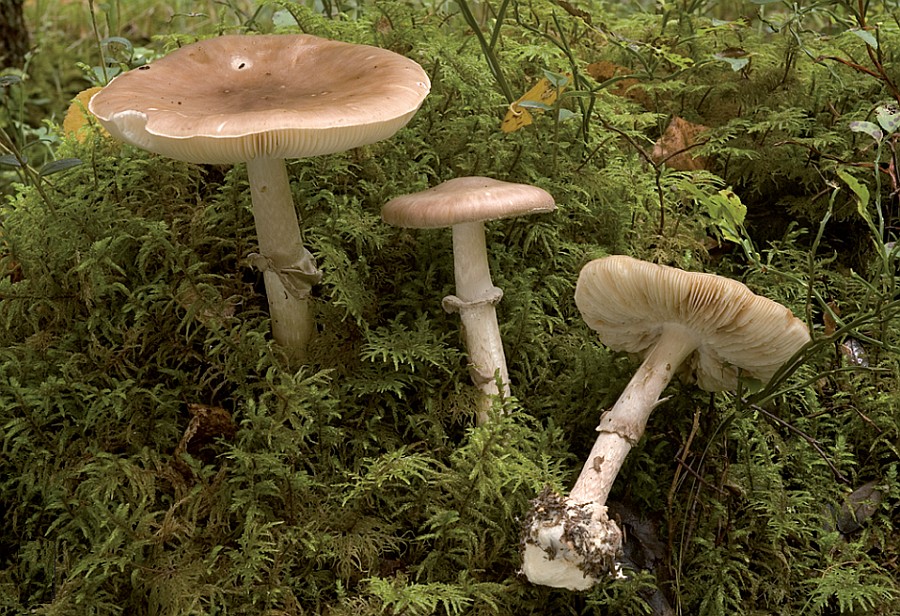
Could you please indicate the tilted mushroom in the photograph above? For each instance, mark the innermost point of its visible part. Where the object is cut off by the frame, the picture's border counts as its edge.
(465, 204)
(712, 328)
(259, 100)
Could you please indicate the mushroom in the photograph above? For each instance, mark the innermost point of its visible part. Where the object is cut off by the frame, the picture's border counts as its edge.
(465, 204)
(259, 100)
(714, 329)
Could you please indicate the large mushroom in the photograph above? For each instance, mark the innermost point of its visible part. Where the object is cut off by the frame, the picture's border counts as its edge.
(259, 100)
(464, 204)
(712, 328)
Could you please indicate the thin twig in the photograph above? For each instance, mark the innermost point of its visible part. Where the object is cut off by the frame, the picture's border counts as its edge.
(684, 464)
(810, 440)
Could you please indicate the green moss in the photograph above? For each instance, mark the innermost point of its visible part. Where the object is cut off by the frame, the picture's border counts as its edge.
(159, 458)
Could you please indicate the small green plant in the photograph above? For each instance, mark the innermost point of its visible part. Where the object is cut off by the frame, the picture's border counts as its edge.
(19, 142)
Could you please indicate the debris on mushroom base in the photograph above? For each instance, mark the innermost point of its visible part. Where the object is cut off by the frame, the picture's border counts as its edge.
(569, 545)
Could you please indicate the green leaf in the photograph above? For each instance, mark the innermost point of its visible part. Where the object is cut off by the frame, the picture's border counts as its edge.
(728, 213)
(9, 80)
(725, 210)
(10, 161)
(888, 118)
(112, 44)
(59, 165)
(866, 36)
(283, 19)
(869, 128)
(557, 80)
(860, 190)
(535, 105)
(736, 64)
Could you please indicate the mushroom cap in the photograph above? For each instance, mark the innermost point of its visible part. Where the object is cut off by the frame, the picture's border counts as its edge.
(233, 98)
(628, 302)
(467, 199)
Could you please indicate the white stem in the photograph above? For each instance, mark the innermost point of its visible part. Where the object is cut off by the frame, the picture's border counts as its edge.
(477, 296)
(470, 262)
(281, 245)
(572, 543)
(622, 426)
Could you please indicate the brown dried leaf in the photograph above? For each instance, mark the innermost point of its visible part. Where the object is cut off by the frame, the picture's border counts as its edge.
(209, 314)
(628, 88)
(207, 424)
(9, 268)
(673, 147)
(828, 320)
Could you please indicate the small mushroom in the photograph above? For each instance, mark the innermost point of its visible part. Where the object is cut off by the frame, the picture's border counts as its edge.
(712, 328)
(259, 100)
(465, 204)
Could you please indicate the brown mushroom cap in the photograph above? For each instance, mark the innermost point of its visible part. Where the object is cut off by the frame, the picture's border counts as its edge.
(233, 98)
(467, 199)
(628, 302)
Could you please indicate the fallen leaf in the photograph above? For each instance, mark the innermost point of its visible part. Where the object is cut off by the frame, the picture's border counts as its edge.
(9, 268)
(208, 313)
(828, 320)
(542, 94)
(673, 147)
(207, 424)
(78, 118)
(628, 87)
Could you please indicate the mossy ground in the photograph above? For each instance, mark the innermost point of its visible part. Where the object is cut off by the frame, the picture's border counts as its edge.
(159, 457)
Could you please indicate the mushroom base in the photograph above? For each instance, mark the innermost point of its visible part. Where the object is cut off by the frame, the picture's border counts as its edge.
(569, 545)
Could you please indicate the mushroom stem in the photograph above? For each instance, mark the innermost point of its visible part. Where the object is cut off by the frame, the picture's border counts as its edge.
(470, 262)
(476, 297)
(623, 425)
(289, 270)
(571, 542)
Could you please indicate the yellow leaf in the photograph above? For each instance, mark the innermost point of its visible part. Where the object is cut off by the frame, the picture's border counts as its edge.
(517, 116)
(78, 117)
